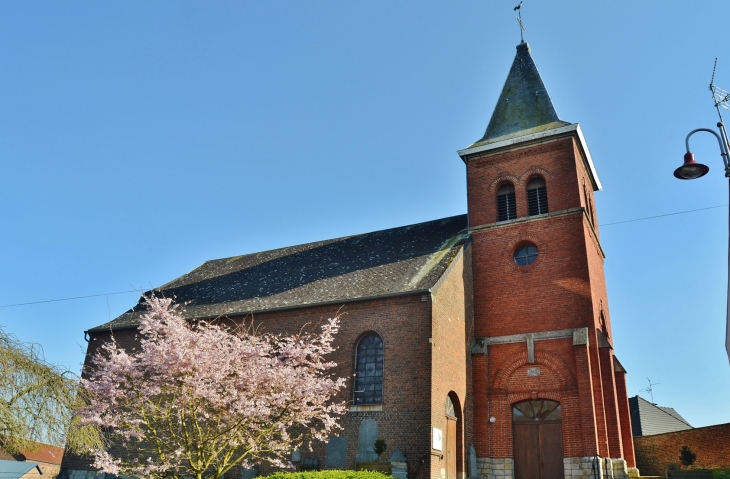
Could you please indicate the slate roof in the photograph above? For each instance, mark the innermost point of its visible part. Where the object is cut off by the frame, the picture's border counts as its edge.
(393, 261)
(648, 419)
(15, 469)
(45, 453)
(524, 106)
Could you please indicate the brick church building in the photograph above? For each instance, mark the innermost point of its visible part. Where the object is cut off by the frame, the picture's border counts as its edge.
(478, 345)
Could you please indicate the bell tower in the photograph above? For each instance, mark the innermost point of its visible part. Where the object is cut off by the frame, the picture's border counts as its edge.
(549, 396)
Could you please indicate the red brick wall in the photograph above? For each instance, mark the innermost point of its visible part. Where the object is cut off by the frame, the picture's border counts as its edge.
(589, 423)
(404, 323)
(551, 293)
(711, 444)
(555, 161)
(623, 408)
(563, 289)
(509, 384)
(451, 343)
(600, 411)
(613, 424)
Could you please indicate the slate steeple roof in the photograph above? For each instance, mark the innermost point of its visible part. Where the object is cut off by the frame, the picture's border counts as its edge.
(524, 106)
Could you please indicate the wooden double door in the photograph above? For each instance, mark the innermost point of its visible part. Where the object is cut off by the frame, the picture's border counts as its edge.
(538, 440)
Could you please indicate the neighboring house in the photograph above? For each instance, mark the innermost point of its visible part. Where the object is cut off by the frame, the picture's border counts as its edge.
(648, 419)
(479, 344)
(18, 470)
(45, 462)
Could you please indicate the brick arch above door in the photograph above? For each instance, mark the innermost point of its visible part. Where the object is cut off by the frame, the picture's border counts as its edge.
(557, 367)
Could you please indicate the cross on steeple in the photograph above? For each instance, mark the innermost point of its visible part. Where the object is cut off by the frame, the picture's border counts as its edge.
(518, 9)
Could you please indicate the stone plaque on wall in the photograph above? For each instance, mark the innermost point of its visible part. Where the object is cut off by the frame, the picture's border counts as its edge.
(336, 452)
(366, 441)
(438, 439)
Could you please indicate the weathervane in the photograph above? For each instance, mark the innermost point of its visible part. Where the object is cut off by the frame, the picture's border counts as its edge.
(518, 9)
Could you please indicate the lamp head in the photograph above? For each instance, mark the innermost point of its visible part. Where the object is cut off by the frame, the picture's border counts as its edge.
(691, 169)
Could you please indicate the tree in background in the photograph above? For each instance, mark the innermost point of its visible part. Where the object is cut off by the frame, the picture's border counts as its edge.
(198, 399)
(37, 400)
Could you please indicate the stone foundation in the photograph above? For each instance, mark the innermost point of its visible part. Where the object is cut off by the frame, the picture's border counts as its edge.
(399, 470)
(495, 468)
(592, 467)
(574, 467)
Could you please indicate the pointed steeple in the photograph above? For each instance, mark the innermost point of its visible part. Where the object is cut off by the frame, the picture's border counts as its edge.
(524, 106)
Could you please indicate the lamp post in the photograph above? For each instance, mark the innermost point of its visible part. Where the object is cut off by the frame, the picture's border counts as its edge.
(691, 170)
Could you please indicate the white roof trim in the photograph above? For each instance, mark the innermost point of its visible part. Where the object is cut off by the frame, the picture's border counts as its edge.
(573, 128)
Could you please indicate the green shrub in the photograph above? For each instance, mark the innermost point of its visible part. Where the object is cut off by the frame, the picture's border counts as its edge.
(686, 456)
(330, 474)
(380, 446)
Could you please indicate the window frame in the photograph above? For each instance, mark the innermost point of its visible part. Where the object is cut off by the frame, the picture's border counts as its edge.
(537, 200)
(360, 396)
(510, 209)
(530, 258)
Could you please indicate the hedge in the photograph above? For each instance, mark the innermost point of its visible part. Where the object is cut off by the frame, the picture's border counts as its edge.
(329, 474)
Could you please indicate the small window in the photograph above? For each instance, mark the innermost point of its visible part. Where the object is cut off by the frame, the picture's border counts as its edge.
(537, 196)
(369, 370)
(526, 254)
(538, 410)
(506, 208)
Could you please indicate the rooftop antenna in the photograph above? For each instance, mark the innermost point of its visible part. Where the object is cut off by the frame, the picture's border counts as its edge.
(518, 9)
(649, 390)
(719, 96)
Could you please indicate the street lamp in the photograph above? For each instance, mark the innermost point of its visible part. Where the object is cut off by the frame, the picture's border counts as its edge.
(691, 170)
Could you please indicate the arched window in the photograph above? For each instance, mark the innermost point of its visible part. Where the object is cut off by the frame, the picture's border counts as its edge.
(506, 208)
(537, 196)
(536, 410)
(450, 410)
(369, 370)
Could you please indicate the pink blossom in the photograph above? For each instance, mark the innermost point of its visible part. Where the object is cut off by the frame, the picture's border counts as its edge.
(198, 399)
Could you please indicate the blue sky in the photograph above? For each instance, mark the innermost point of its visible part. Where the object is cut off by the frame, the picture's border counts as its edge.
(139, 139)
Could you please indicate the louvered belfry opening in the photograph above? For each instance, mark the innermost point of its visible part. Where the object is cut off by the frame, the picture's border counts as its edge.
(537, 203)
(506, 209)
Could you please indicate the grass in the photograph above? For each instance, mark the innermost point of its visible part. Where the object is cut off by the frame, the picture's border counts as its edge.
(720, 473)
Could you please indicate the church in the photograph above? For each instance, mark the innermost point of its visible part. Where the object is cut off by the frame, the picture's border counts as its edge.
(477, 346)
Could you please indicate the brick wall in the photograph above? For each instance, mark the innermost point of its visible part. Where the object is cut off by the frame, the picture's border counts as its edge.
(403, 322)
(623, 405)
(563, 289)
(711, 444)
(555, 161)
(451, 342)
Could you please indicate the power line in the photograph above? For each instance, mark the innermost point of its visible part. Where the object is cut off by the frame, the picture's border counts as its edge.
(69, 299)
(661, 216)
(139, 291)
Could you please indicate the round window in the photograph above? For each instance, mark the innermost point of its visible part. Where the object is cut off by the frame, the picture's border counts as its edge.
(526, 254)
